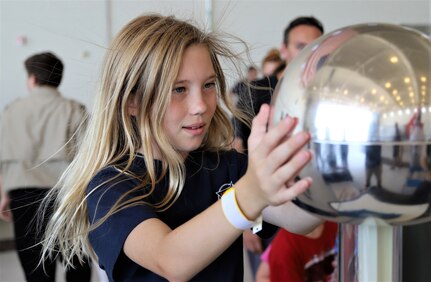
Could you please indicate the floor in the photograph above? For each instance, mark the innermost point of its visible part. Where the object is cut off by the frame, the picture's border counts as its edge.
(10, 270)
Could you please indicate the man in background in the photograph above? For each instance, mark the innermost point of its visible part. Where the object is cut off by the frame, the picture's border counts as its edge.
(299, 33)
(38, 137)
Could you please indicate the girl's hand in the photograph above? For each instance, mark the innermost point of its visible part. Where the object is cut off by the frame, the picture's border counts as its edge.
(275, 159)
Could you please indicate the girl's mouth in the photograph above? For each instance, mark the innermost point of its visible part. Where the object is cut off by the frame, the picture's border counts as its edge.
(195, 129)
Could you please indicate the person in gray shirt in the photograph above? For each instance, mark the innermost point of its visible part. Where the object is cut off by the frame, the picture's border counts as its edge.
(38, 136)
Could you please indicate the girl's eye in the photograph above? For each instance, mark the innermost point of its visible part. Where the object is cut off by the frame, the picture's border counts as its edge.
(179, 90)
(209, 85)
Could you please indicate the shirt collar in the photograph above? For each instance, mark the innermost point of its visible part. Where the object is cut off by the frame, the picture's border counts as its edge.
(44, 90)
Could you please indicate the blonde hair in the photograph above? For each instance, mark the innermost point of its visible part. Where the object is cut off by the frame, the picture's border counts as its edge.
(142, 64)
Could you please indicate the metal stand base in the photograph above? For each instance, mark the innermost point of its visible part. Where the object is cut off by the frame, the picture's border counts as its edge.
(370, 251)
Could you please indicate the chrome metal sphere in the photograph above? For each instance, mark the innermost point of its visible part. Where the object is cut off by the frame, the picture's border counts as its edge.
(363, 92)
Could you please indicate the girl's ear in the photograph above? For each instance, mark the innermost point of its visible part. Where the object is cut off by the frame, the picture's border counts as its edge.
(132, 106)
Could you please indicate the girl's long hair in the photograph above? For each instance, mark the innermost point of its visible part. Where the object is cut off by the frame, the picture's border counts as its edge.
(142, 64)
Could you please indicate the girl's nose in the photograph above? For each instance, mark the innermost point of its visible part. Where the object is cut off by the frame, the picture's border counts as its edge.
(198, 103)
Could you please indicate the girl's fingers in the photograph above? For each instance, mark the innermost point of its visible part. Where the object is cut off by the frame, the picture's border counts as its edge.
(259, 126)
(259, 123)
(291, 169)
(286, 150)
(272, 137)
(275, 157)
(277, 134)
(288, 194)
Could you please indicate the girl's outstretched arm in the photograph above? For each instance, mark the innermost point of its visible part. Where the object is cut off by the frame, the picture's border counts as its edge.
(292, 218)
(179, 254)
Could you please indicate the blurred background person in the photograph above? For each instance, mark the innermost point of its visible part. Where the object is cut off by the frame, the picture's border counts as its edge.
(299, 258)
(250, 76)
(262, 274)
(39, 135)
(271, 62)
(298, 33)
(240, 88)
(242, 85)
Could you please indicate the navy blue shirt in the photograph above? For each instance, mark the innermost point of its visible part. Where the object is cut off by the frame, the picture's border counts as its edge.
(206, 174)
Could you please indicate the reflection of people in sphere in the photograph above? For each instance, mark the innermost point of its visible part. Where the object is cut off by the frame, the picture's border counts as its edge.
(397, 152)
(373, 164)
(416, 135)
(332, 159)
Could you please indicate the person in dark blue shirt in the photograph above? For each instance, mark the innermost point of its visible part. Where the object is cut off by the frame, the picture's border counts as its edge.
(211, 170)
(155, 192)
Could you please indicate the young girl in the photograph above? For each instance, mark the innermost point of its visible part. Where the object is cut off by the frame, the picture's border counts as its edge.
(142, 195)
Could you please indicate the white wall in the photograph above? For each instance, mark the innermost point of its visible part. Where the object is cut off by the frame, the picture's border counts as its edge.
(70, 29)
(79, 31)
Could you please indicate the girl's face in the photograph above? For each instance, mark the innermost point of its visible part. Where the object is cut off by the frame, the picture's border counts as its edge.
(193, 102)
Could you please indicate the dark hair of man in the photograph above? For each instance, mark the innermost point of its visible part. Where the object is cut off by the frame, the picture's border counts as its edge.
(46, 67)
(310, 21)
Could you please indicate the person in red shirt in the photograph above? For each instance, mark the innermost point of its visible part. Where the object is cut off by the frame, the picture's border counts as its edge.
(304, 258)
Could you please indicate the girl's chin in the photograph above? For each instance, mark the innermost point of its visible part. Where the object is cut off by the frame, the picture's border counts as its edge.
(187, 149)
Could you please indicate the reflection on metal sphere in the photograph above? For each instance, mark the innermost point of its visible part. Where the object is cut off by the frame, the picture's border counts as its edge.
(363, 92)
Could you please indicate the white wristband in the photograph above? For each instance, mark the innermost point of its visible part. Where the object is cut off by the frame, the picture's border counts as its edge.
(232, 211)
